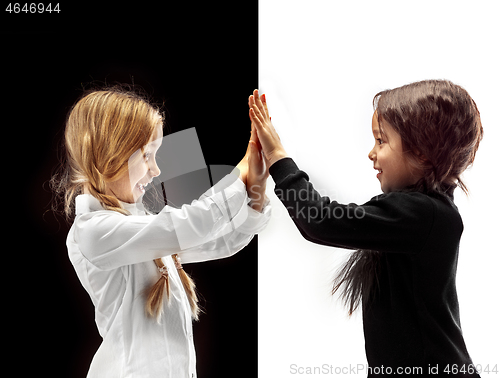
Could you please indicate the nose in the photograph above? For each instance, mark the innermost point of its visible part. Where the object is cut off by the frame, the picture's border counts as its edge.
(154, 170)
(372, 155)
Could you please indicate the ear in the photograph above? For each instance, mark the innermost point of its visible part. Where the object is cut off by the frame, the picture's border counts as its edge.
(418, 162)
(421, 157)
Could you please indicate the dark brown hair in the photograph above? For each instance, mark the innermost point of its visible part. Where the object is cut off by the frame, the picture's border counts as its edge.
(440, 130)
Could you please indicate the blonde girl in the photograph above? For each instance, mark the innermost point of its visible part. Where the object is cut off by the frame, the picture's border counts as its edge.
(129, 261)
(406, 239)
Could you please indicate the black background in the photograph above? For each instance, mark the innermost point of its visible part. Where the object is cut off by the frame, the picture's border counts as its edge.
(200, 60)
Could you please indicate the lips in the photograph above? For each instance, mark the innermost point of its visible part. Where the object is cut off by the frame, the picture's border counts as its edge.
(141, 186)
(379, 171)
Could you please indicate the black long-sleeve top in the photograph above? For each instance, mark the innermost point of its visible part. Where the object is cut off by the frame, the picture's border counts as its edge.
(412, 320)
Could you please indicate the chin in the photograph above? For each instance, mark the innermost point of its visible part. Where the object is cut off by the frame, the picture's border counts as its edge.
(385, 189)
(136, 195)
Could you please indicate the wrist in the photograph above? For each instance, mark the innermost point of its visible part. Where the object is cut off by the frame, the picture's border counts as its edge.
(257, 195)
(258, 204)
(277, 156)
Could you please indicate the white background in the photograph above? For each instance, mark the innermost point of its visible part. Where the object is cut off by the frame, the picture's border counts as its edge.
(320, 64)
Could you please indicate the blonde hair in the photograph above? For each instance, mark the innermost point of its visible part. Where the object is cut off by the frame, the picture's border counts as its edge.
(104, 128)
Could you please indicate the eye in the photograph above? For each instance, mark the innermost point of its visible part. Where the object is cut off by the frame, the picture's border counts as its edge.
(380, 141)
(147, 155)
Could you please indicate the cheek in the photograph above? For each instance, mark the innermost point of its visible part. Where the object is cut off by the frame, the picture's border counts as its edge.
(136, 173)
(397, 170)
(389, 158)
(384, 159)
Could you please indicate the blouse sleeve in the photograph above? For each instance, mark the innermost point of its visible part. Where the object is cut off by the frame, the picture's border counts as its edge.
(395, 222)
(217, 225)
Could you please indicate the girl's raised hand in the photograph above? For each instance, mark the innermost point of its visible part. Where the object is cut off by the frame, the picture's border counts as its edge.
(257, 175)
(268, 137)
(253, 172)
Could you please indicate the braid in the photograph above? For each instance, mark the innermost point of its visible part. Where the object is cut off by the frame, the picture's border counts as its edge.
(97, 188)
(189, 287)
(107, 201)
(154, 301)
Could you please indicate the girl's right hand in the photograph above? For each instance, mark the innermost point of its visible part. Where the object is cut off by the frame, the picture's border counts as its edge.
(243, 164)
(258, 173)
(253, 172)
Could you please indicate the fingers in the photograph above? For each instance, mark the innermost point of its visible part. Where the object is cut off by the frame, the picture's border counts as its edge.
(255, 137)
(264, 103)
(261, 103)
(259, 106)
(256, 118)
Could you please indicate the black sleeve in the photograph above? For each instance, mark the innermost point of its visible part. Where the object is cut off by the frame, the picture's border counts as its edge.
(394, 222)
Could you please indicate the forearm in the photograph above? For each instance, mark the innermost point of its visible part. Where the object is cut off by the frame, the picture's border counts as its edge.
(398, 222)
(232, 241)
(307, 208)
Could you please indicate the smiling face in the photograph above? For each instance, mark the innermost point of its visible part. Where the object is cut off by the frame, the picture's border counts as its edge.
(142, 168)
(395, 172)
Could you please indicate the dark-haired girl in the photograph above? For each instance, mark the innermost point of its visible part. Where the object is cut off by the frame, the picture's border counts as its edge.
(406, 240)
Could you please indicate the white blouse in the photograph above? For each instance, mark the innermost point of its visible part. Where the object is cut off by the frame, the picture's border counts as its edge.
(113, 257)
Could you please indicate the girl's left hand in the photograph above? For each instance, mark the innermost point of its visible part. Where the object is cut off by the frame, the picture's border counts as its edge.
(268, 137)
